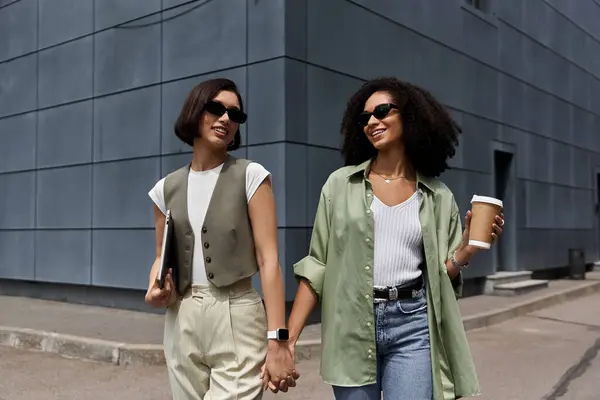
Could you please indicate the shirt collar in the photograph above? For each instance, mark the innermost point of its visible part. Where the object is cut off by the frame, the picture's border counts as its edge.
(362, 170)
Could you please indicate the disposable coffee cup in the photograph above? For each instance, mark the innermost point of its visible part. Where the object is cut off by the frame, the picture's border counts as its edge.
(483, 213)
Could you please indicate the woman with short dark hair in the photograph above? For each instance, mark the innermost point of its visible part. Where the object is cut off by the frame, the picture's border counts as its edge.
(387, 252)
(217, 334)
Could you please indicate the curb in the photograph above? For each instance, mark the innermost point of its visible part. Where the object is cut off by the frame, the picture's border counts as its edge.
(81, 347)
(497, 316)
(127, 354)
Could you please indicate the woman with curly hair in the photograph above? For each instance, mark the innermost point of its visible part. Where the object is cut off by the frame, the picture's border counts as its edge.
(386, 254)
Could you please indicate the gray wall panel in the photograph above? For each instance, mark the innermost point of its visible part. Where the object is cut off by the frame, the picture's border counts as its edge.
(65, 73)
(65, 135)
(266, 108)
(511, 95)
(473, 183)
(581, 173)
(429, 17)
(208, 38)
(562, 163)
(266, 27)
(539, 16)
(18, 85)
(17, 135)
(119, 190)
(583, 204)
(321, 163)
(328, 93)
(18, 29)
(331, 47)
(296, 159)
(295, 29)
(454, 180)
(562, 203)
(296, 101)
(127, 125)
(538, 195)
(540, 114)
(17, 200)
(64, 197)
(62, 20)
(17, 252)
(127, 58)
(479, 35)
(458, 160)
(475, 141)
(539, 158)
(562, 119)
(123, 258)
(296, 244)
(63, 256)
(511, 54)
(273, 158)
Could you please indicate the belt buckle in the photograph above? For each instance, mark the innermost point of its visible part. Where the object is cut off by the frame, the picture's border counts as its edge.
(415, 293)
(393, 293)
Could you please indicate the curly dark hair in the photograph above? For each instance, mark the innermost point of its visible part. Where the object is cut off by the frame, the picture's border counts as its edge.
(430, 135)
(186, 125)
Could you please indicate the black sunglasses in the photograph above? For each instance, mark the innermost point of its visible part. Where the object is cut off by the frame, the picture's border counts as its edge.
(379, 112)
(218, 109)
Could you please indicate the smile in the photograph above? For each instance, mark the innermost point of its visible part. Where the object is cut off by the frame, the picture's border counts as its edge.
(220, 130)
(377, 132)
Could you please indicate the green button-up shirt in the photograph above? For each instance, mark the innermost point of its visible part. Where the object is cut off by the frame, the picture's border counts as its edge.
(339, 267)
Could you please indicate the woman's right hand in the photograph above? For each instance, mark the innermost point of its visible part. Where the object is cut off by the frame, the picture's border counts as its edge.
(157, 297)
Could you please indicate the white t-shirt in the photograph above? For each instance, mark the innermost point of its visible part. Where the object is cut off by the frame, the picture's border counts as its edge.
(201, 185)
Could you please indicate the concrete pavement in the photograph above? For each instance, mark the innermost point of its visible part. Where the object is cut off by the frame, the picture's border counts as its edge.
(129, 337)
(550, 354)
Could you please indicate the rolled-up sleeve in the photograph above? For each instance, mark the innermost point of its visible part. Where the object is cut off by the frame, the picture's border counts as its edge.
(454, 239)
(312, 267)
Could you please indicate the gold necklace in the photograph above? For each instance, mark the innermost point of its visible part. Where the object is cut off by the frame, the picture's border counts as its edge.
(388, 180)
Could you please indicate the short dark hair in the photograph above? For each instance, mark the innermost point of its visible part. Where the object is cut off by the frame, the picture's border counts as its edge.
(430, 135)
(188, 122)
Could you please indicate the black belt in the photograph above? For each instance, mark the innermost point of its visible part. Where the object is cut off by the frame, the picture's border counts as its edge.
(399, 292)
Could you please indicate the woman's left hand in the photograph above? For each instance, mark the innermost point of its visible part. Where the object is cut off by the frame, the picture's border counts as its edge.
(468, 250)
(278, 372)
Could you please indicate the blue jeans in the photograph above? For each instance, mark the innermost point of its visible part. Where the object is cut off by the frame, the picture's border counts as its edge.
(403, 354)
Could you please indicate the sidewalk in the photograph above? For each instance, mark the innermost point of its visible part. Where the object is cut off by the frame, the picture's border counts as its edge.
(123, 337)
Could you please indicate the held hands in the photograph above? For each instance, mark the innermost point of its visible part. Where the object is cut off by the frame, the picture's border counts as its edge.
(157, 297)
(466, 251)
(278, 372)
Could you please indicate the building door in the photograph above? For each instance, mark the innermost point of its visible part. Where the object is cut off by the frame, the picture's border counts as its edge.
(504, 189)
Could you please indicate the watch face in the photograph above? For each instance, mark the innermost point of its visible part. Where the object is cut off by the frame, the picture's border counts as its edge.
(283, 334)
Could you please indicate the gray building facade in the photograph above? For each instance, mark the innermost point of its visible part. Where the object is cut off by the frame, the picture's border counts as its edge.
(89, 90)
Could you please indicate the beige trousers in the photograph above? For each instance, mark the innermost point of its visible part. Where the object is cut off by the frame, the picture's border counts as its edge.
(215, 343)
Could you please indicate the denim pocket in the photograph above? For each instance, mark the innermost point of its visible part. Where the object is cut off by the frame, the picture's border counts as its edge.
(414, 305)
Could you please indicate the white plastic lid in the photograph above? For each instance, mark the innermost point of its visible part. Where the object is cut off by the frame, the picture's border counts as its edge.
(486, 199)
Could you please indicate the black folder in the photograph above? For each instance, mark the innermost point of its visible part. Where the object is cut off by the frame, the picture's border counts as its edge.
(166, 255)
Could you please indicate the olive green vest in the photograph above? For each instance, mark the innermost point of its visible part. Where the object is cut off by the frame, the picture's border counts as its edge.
(227, 239)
